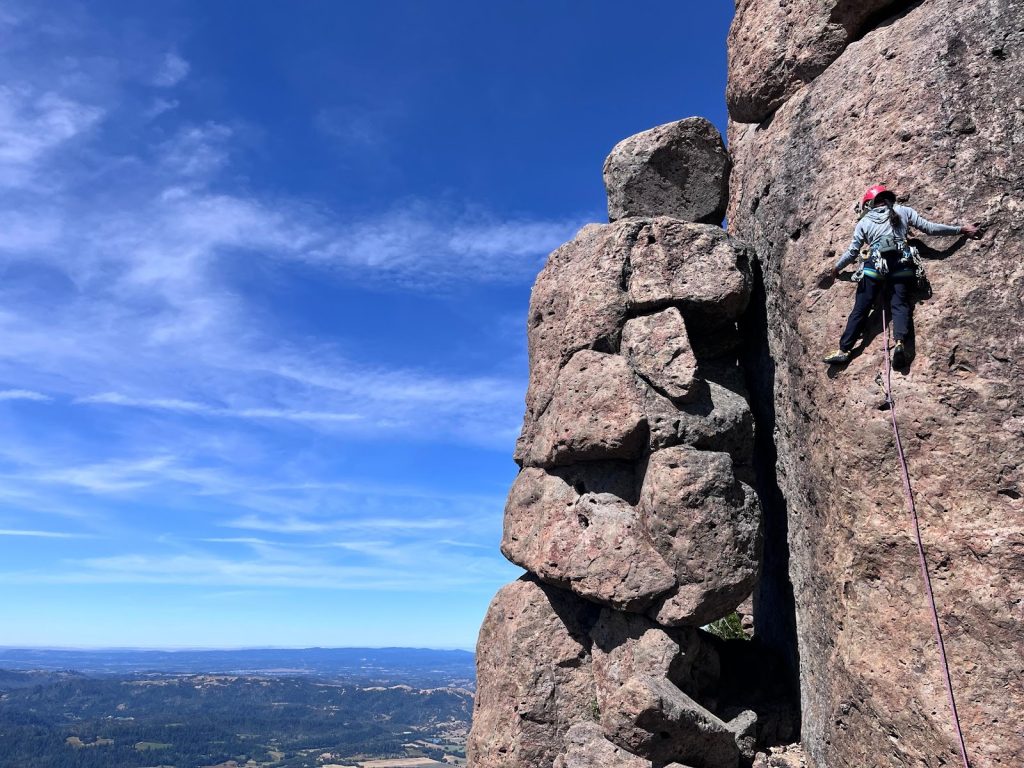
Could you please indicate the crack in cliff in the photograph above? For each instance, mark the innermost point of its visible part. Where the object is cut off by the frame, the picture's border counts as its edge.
(879, 19)
(774, 602)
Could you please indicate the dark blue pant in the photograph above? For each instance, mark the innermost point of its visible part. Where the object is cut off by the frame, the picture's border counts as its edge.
(867, 291)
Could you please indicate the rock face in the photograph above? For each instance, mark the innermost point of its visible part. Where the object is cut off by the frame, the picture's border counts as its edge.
(588, 288)
(534, 676)
(678, 169)
(706, 523)
(632, 511)
(929, 103)
(775, 48)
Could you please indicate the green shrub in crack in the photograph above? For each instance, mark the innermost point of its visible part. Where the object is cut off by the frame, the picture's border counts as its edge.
(728, 627)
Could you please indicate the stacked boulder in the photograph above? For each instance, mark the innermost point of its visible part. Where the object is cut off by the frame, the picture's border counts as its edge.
(632, 512)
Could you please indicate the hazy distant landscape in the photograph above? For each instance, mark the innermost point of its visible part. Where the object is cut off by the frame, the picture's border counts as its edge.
(374, 708)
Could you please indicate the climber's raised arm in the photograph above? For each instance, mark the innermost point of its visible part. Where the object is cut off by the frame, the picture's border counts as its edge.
(920, 223)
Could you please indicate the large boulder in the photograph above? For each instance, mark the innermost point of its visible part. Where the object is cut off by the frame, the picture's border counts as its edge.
(658, 348)
(706, 524)
(534, 678)
(775, 48)
(578, 302)
(679, 169)
(596, 413)
(718, 418)
(697, 267)
(648, 680)
(591, 542)
(928, 103)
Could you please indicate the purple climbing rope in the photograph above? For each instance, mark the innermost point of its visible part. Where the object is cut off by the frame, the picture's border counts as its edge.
(909, 494)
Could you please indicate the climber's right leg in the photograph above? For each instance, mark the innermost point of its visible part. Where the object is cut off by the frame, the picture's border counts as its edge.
(867, 292)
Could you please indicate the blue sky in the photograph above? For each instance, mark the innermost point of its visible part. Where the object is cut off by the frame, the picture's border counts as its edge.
(264, 270)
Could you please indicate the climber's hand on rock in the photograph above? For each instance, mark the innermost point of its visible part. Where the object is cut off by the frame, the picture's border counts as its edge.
(971, 230)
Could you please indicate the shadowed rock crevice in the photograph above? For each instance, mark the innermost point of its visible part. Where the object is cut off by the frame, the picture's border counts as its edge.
(774, 603)
(881, 17)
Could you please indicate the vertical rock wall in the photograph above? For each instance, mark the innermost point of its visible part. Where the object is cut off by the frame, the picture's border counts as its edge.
(633, 512)
(925, 97)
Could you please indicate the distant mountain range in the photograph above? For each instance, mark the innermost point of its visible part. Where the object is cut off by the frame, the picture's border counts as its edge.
(411, 665)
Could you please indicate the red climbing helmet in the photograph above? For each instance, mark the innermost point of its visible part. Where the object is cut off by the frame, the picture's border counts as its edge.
(874, 192)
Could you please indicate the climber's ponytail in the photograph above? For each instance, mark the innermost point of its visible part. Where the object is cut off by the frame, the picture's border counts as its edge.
(894, 218)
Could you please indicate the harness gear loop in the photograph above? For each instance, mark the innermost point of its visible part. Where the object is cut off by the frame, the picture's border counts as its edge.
(911, 507)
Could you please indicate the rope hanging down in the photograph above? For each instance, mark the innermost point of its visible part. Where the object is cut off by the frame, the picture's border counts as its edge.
(909, 494)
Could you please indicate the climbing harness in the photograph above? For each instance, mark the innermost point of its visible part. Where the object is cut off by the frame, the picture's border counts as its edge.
(909, 495)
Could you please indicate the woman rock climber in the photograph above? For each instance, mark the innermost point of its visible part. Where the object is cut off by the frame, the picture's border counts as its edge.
(884, 227)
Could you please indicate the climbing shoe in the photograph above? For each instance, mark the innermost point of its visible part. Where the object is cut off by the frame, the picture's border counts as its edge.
(899, 355)
(838, 357)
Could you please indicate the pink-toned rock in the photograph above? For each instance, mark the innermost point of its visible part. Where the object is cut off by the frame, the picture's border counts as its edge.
(706, 524)
(658, 349)
(697, 267)
(775, 48)
(941, 87)
(578, 302)
(717, 419)
(580, 299)
(589, 542)
(679, 169)
(595, 414)
(534, 678)
(651, 716)
(647, 678)
(586, 747)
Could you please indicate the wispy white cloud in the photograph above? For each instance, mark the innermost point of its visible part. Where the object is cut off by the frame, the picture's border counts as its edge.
(127, 307)
(186, 406)
(34, 124)
(43, 534)
(172, 70)
(213, 571)
(296, 524)
(24, 394)
(197, 151)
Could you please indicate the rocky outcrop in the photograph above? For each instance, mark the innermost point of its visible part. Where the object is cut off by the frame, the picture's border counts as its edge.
(632, 511)
(678, 169)
(606, 275)
(534, 677)
(926, 100)
(775, 48)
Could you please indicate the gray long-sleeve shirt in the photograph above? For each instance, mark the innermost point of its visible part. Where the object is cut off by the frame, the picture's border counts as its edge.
(875, 225)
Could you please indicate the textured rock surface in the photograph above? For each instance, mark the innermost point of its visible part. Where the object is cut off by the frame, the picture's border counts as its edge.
(596, 412)
(777, 46)
(633, 349)
(591, 543)
(697, 266)
(658, 349)
(939, 87)
(679, 169)
(586, 747)
(534, 679)
(706, 525)
(718, 418)
(642, 673)
(581, 298)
